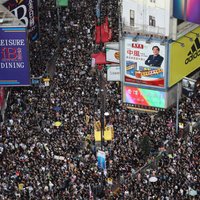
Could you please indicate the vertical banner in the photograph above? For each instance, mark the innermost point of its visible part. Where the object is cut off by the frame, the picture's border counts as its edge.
(101, 158)
(144, 62)
(27, 12)
(14, 60)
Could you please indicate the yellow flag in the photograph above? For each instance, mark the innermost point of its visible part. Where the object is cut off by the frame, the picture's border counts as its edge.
(20, 186)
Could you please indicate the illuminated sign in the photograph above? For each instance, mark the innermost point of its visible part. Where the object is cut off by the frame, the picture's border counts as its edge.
(187, 10)
(144, 98)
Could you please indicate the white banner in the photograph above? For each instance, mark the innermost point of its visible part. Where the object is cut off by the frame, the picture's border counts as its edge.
(112, 55)
(113, 72)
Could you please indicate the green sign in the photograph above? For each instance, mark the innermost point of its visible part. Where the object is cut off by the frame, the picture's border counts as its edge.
(62, 2)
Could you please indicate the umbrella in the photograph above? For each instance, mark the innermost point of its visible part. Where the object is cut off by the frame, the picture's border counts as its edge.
(192, 192)
(170, 156)
(57, 108)
(57, 124)
(153, 179)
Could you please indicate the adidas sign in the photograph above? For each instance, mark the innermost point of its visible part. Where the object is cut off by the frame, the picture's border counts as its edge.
(195, 51)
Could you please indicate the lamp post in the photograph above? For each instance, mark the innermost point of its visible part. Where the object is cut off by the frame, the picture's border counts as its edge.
(177, 107)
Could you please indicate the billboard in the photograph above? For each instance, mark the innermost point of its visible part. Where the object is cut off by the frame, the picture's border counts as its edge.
(152, 17)
(112, 55)
(144, 98)
(188, 10)
(113, 72)
(27, 12)
(14, 59)
(179, 9)
(188, 57)
(144, 63)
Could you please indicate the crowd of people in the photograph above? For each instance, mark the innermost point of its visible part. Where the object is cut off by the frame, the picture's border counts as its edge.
(42, 160)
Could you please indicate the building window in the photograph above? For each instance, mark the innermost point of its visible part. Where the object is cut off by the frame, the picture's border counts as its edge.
(132, 18)
(153, 1)
(152, 21)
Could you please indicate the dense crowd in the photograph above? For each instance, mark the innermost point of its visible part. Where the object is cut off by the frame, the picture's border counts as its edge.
(42, 161)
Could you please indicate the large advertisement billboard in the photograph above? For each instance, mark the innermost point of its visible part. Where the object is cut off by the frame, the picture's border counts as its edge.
(144, 98)
(185, 58)
(14, 59)
(144, 63)
(152, 17)
(27, 12)
(188, 10)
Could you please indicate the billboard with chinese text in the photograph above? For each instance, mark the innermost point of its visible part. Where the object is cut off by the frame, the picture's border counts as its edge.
(144, 63)
(144, 98)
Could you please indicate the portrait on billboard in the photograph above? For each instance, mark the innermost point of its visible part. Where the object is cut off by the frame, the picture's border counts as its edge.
(144, 63)
(155, 59)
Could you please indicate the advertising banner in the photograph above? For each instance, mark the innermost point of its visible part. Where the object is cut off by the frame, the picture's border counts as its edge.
(144, 63)
(184, 60)
(188, 10)
(112, 55)
(27, 12)
(144, 98)
(101, 158)
(188, 86)
(146, 17)
(14, 59)
(113, 72)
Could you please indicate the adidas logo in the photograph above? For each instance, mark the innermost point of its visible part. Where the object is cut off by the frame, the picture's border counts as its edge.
(195, 51)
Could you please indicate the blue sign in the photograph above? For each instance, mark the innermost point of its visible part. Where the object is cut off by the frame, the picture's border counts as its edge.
(101, 158)
(14, 58)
